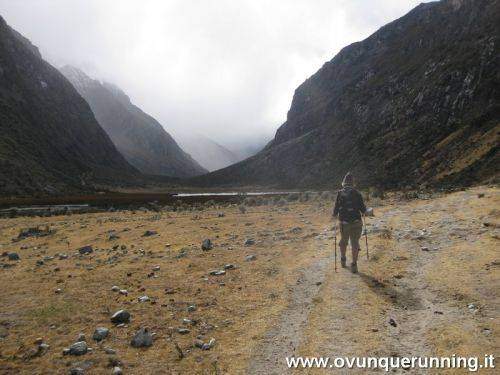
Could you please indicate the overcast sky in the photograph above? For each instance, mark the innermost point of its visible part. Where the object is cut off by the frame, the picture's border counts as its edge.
(223, 68)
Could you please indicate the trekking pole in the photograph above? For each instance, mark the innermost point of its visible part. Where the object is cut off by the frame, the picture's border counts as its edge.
(335, 242)
(366, 237)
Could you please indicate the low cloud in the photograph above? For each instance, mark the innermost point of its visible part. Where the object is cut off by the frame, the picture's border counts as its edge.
(226, 69)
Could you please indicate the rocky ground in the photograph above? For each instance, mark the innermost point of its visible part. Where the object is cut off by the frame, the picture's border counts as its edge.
(235, 289)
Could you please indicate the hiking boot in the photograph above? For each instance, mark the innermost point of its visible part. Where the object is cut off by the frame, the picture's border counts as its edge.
(343, 262)
(354, 268)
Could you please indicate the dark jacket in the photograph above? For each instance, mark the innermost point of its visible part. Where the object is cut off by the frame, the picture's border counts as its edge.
(349, 205)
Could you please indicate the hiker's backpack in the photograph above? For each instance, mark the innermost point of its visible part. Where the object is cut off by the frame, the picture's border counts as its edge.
(349, 205)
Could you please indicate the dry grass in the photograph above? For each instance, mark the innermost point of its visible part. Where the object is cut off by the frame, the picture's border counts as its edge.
(349, 315)
(235, 309)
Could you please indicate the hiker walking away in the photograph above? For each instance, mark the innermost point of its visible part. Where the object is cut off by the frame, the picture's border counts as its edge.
(348, 208)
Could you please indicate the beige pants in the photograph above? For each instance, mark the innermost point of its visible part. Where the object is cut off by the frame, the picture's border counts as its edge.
(350, 232)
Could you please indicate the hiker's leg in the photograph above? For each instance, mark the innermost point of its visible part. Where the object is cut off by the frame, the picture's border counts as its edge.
(344, 238)
(354, 235)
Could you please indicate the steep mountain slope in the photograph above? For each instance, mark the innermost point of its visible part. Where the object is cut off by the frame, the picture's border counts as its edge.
(49, 139)
(207, 152)
(138, 136)
(417, 102)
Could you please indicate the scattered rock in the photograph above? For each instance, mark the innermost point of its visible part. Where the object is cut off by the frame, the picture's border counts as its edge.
(13, 256)
(191, 308)
(123, 292)
(100, 333)
(249, 242)
(480, 195)
(121, 316)
(250, 258)
(229, 267)
(86, 250)
(77, 371)
(207, 245)
(149, 233)
(183, 331)
(393, 323)
(117, 371)
(156, 268)
(109, 351)
(143, 299)
(34, 232)
(78, 348)
(217, 272)
(115, 288)
(142, 338)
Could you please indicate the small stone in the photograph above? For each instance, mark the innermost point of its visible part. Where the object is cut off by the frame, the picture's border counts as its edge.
(191, 308)
(109, 351)
(229, 267)
(38, 341)
(121, 316)
(77, 371)
(58, 291)
(143, 299)
(393, 323)
(250, 258)
(117, 371)
(207, 245)
(142, 338)
(13, 256)
(156, 268)
(183, 331)
(100, 333)
(198, 343)
(124, 292)
(249, 242)
(78, 348)
(210, 344)
(86, 249)
(424, 248)
(217, 272)
(115, 288)
(480, 195)
(149, 233)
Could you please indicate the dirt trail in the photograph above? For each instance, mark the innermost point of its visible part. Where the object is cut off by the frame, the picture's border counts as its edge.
(284, 339)
(415, 306)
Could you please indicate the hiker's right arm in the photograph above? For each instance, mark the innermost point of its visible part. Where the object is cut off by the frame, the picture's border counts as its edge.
(336, 207)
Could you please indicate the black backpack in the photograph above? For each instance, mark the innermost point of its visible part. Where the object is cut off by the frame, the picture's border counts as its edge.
(349, 205)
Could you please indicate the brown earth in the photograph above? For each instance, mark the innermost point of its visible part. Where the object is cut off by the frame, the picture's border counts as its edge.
(288, 301)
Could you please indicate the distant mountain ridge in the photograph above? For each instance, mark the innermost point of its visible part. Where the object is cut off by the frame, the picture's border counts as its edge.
(138, 136)
(50, 141)
(210, 154)
(416, 103)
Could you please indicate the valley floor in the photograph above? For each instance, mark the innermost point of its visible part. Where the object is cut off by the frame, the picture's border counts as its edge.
(431, 287)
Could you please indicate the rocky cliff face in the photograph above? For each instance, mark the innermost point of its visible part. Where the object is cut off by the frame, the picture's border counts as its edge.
(138, 136)
(50, 141)
(415, 103)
